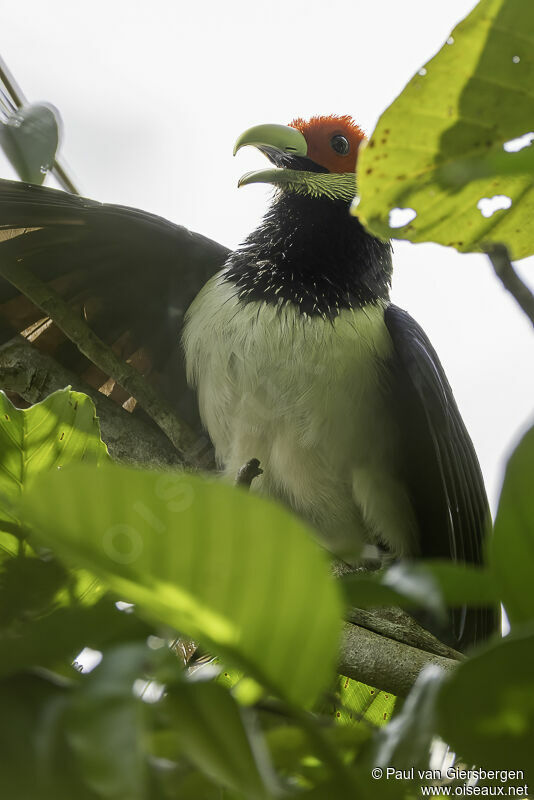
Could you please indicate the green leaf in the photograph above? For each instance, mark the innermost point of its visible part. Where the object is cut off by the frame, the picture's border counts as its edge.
(214, 734)
(406, 741)
(512, 545)
(27, 587)
(289, 748)
(36, 763)
(30, 138)
(194, 785)
(339, 787)
(233, 571)
(357, 703)
(227, 677)
(475, 95)
(82, 738)
(461, 584)
(403, 584)
(9, 544)
(104, 726)
(361, 785)
(366, 590)
(299, 756)
(500, 162)
(486, 708)
(62, 634)
(432, 584)
(62, 429)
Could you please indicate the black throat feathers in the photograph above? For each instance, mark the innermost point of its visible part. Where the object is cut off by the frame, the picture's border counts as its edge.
(311, 252)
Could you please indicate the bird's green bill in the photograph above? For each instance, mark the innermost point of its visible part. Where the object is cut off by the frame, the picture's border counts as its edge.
(275, 139)
(273, 175)
(279, 137)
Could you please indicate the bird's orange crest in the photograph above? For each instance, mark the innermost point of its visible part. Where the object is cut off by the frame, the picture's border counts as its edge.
(323, 147)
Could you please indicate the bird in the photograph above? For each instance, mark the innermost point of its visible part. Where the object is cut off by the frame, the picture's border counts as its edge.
(300, 360)
(296, 355)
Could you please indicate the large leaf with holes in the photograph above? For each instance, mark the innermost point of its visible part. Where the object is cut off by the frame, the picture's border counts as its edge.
(473, 97)
(236, 572)
(61, 430)
(512, 546)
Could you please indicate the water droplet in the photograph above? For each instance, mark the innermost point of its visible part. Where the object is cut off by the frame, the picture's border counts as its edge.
(450, 40)
(422, 71)
(516, 59)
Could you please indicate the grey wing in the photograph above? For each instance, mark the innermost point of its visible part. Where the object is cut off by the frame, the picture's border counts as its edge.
(441, 468)
(131, 274)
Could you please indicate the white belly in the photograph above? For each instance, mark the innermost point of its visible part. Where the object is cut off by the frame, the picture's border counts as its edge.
(306, 398)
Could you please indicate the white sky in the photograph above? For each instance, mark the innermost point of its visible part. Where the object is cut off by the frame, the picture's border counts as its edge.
(153, 95)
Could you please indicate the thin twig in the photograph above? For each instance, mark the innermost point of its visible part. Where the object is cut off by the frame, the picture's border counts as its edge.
(500, 259)
(17, 95)
(60, 174)
(67, 320)
(6, 102)
(248, 472)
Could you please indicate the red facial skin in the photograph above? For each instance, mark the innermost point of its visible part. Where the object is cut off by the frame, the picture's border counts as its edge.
(318, 132)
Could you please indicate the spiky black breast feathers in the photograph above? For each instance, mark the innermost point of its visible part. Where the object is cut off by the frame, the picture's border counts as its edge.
(310, 252)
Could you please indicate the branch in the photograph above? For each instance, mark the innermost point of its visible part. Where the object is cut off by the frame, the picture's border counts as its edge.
(130, 440)
(394, 623)
(382, 662)
(387, 648)
(500, 259)
(67, 320)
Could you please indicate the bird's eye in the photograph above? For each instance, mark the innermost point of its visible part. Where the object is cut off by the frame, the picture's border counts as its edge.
(340, 144)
